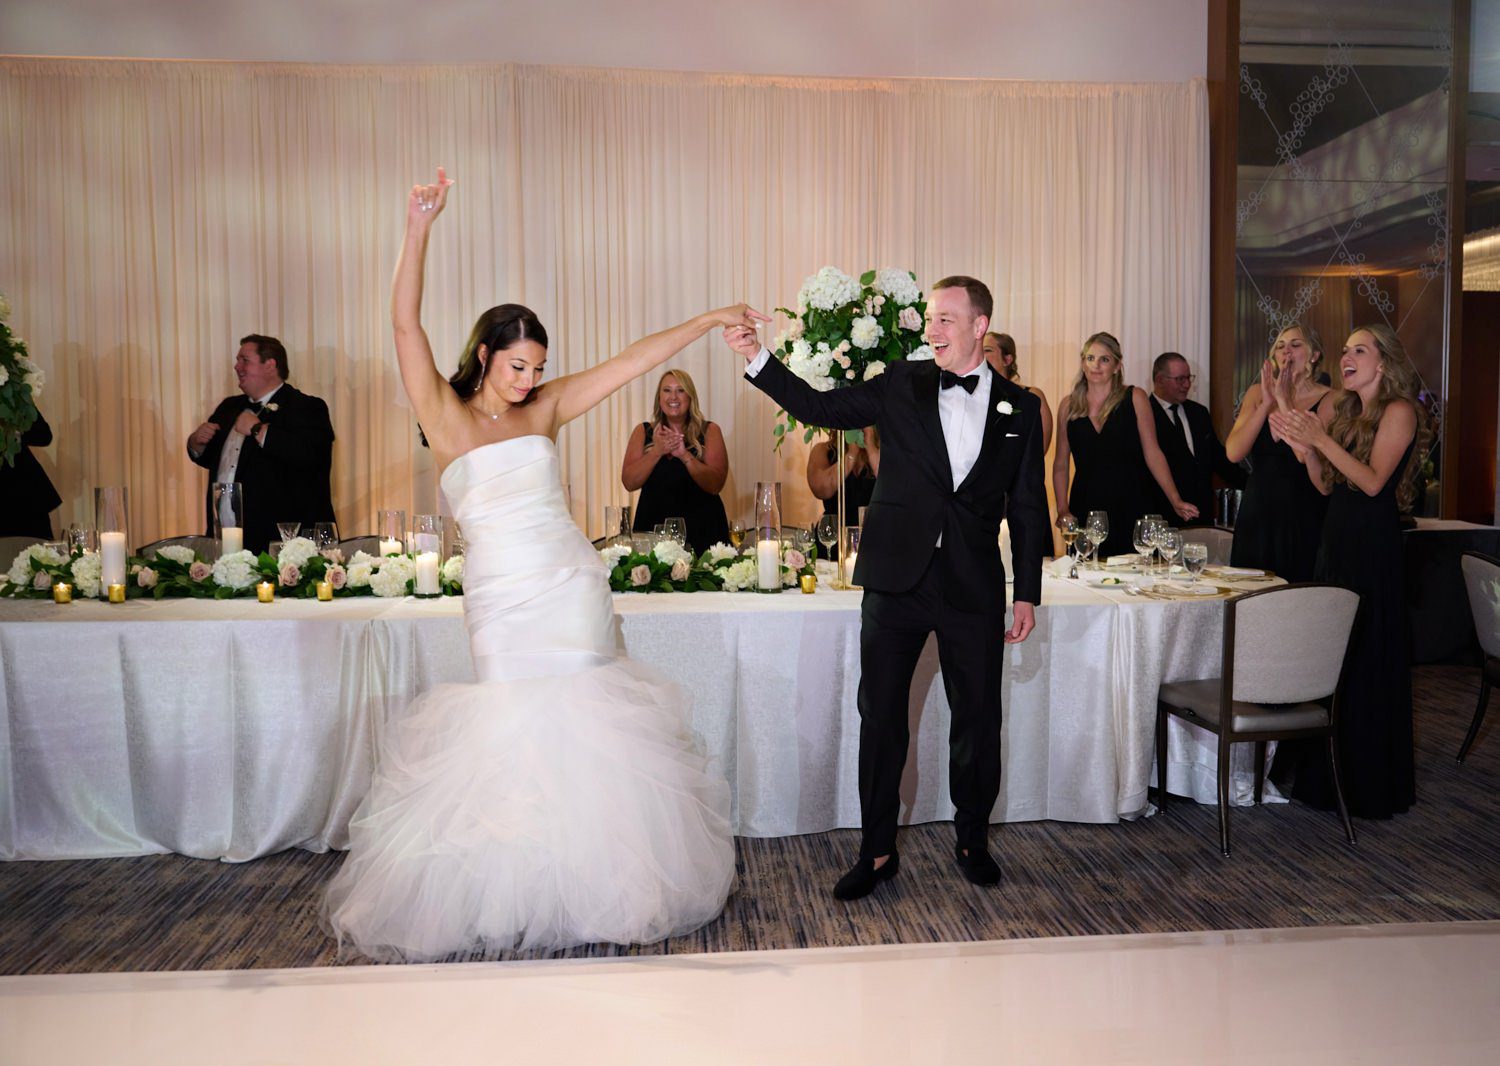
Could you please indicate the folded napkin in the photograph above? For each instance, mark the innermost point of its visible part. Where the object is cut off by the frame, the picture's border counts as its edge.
(1060, 566)
(1129, 559)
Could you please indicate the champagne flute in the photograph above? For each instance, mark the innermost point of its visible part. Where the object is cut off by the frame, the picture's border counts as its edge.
(1067, 525)
(1195, 558)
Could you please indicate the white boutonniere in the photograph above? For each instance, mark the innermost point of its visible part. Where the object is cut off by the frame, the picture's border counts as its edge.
(270, 407)
(1004, 407)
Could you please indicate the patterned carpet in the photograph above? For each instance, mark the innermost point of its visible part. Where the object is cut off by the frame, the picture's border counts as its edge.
(1290, 867)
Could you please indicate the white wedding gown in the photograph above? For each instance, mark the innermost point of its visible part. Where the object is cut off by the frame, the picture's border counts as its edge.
(560, 800)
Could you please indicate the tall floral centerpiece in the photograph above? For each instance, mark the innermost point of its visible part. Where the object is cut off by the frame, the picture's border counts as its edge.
(21, 383)
(844, 332)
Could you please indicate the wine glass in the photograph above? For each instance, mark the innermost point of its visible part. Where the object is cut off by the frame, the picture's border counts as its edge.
(1068, 527)
(288, 530)
(1098, 523)
(675, 529)
(1157, 528)
(83, 539)
(325, 535)
(1140, 536)
(1170, 544)
(1195, 558)
(736, 533)
(827, 530)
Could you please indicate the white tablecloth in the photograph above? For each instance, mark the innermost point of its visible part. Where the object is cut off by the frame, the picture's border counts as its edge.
(233, 729)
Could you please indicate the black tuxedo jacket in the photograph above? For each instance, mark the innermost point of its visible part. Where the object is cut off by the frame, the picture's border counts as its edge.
(288, 479)
(26, 489)
(1192, 471)
(915, 499)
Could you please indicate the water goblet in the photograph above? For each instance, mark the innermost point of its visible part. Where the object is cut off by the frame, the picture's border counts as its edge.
(1140, 536)
(325, 535)
(675, 529)
(1170, 544)
(1195, 558)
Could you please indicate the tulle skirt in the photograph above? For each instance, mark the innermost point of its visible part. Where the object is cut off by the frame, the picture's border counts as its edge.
(535, 813)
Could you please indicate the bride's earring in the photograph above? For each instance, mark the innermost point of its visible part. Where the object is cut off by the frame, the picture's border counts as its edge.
(480, 383)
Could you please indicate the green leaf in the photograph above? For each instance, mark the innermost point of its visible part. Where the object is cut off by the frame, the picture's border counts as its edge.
(867, 278)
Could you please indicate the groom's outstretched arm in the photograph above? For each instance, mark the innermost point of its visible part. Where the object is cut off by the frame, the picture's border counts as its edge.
(854, 407)
(1026, 512)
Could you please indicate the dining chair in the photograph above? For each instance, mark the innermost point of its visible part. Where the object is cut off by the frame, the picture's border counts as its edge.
(1482, 579)
(369, 544)
(1283, 658)
(206, 547)
(1219, 542)
(10, 547)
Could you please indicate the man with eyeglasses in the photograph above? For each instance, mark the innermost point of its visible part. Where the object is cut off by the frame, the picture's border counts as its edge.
(1186, 435)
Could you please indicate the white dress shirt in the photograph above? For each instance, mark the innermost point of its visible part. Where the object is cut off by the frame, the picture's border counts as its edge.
(1181, 410)
(961, 414)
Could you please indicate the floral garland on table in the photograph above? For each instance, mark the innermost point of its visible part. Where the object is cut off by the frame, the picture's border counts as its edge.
(846, 331)
(669, 567)
(179, 572)
(21, 383)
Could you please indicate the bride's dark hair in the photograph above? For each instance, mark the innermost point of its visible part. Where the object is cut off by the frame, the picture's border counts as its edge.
(497, 329)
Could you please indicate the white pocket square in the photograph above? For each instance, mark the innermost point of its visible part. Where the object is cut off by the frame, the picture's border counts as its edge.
(1013, 434)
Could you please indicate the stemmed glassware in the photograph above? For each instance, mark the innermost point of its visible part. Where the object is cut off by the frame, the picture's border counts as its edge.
(675, 529)
(1195, 558)
(736, 533)
(288, 530)
(1098, 532)
(1140, 536)
(1169, 543)
(1068, 527)
(827, 531)
(325, 535)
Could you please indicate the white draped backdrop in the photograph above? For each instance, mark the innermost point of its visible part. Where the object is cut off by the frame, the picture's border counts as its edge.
(151, 213)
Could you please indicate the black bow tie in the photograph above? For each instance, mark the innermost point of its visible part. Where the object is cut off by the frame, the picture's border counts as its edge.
(968, 383)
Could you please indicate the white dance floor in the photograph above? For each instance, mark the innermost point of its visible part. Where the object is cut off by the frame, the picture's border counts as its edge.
(1376, 994)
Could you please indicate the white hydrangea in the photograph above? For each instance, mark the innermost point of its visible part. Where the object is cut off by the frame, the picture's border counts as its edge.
(32, 376)
(296, 552)
(720, 553)
(4, 309)
(669, 551)
(178, 553)
(874, 370)
(361, 558)
(899, 285)
(739, 576)
(359, 574)
(392, 577)
(453, 570)
(86, 573)
(235, 570)
(613, 554)
(20, 567)
(813, 368)
(922, 352)
(828, 289)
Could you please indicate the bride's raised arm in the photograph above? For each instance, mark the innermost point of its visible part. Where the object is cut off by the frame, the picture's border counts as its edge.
(577, 393)
(432, 398)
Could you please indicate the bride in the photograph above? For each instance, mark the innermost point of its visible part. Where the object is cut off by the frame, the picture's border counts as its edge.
(561, 799)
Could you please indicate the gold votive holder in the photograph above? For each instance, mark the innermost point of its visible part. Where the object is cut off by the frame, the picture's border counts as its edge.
(265, 592)
(809, 583)
(62, 592)
(325, 590)
(117, 594)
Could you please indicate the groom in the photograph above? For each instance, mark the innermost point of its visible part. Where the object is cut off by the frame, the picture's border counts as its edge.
(960, 448)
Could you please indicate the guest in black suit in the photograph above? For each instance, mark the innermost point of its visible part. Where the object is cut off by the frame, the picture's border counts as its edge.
(26, 489)
(960, 448)
(275, 441)
(1185, 431)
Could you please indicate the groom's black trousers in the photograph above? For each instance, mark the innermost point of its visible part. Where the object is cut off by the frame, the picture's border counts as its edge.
(893, 630)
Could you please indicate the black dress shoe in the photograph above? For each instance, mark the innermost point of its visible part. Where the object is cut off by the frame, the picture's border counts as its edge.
(977, 866)
(862, 878)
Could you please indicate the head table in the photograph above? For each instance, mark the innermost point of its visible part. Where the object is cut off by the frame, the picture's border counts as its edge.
(233, 729)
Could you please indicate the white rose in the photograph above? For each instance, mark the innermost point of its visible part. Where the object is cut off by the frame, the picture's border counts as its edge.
(146, 579)
(866, 332)
(1004, 407)
(922, 352)
(43, 580)
(720, 553)
(909, 319)
(669, 551)
(86, 574)
(234, 571)
(453, 570)
(359, 574)
(680, 570)
(874, 370)
(740, 576)
(296, 552)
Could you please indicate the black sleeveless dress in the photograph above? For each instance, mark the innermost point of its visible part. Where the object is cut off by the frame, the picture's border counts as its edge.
(1109, 474)
(858, 488)
(671, 492)
(1280, 522)
(1361, 550)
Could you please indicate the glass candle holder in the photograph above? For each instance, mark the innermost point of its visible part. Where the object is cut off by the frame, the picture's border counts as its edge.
(325, 591)
(62, 592)
(265, 592)
(228, 499)
(849, 555)
(116, 592)
(768, 536)
(390, 527)
(110, 520)
(427, 546)
(809, 583)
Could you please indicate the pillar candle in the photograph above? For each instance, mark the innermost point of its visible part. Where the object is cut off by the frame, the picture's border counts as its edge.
(427, 574)
(232, 538)
(112, 558)
(391, 546)
(768, 564)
